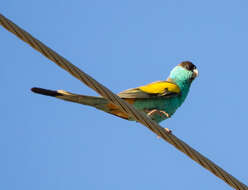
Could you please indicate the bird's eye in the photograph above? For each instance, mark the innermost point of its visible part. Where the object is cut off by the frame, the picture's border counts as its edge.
(192, 67)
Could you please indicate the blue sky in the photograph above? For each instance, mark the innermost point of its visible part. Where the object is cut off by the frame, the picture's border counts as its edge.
(51, 144)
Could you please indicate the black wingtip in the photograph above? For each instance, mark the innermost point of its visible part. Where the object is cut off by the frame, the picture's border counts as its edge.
(46, 92)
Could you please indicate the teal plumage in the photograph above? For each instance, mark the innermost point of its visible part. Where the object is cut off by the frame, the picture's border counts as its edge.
(159, 100)
(183, 79)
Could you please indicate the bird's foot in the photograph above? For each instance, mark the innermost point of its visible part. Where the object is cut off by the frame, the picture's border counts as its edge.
(161, 113)
(167, 130)
(164, 113)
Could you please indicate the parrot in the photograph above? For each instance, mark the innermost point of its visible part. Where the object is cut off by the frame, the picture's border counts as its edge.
(158, 100)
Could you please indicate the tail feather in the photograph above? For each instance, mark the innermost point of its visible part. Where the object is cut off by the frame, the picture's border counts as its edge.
(97, 102)
(46, 92)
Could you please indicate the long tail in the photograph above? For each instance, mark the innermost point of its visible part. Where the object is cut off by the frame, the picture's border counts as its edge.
(97, 102)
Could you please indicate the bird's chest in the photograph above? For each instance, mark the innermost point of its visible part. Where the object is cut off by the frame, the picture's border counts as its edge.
(168, 105)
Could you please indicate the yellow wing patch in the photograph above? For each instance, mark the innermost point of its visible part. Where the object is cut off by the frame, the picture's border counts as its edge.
(159, 87)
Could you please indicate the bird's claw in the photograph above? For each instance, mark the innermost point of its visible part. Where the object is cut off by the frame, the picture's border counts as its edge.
(165, 113)
(160, 112)
(167, 130)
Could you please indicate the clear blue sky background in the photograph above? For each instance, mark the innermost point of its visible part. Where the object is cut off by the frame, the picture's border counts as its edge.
(51, 144)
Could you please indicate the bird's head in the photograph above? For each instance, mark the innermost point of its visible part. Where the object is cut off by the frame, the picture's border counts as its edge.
(184, 72)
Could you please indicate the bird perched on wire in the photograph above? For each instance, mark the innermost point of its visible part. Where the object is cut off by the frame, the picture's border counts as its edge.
(159, 100)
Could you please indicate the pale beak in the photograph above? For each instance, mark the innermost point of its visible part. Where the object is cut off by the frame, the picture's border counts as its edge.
(196, 73)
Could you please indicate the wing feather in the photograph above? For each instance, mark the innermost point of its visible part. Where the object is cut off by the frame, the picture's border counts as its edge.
(152, 90)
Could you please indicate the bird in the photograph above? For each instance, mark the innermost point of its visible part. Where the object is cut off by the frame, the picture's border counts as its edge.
(158, 100)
